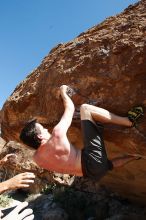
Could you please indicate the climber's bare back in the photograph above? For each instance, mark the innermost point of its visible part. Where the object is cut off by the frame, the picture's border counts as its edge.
(59, 155)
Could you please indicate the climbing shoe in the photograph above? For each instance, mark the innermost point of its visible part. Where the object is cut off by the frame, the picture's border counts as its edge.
(135, 114)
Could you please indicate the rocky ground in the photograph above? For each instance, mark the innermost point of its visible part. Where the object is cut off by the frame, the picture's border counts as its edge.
(66, 203)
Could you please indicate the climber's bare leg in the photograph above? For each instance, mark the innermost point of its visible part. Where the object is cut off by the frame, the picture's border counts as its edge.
(94, 113)
(122, 160)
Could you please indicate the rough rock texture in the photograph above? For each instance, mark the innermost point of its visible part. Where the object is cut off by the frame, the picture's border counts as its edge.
(2, 143)
(69, 204)
(107, 66)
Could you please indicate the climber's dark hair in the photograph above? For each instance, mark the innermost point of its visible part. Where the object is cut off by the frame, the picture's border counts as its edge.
(29, 134)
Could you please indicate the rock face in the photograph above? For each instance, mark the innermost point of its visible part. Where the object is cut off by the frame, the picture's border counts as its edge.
(106, 65)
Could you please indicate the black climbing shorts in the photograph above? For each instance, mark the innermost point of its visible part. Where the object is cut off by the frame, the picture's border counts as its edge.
(95, 163)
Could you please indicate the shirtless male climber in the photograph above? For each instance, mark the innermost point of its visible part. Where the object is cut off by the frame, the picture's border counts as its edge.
(54, 152)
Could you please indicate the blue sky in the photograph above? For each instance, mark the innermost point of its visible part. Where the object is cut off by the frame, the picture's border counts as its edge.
(30, 28)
